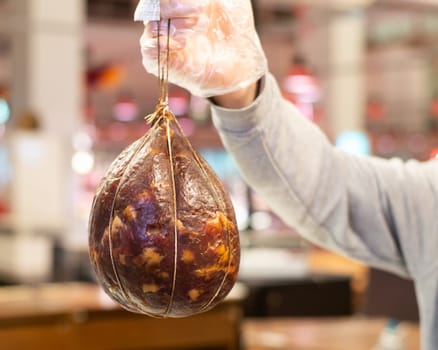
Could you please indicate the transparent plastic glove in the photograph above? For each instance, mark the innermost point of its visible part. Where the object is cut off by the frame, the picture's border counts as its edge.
(214, 48)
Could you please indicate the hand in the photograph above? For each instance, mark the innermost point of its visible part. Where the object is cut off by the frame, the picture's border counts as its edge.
(213, 46)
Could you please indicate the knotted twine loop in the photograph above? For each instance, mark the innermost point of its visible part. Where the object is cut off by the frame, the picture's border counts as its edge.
(162, 108)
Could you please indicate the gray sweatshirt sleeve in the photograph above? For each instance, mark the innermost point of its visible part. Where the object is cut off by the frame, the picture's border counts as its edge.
(380, 212)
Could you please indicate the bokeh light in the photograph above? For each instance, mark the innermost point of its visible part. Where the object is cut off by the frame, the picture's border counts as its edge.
(82, 162)
(434, 154)
(5, 111)
(355, 142)
(82, 141)
(125, 111)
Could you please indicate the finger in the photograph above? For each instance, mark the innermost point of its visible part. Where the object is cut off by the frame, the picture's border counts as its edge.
(151, 44)
(178, 26)
(155, 28)
(182, 8)
(177, 63)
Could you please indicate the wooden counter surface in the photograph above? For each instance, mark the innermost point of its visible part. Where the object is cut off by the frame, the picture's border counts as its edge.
(82, 317)
(321, 334)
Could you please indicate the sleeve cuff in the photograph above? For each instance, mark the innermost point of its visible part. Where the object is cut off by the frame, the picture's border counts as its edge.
(244, 119)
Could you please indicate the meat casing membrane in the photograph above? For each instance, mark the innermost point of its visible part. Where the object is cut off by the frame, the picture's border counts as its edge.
(163, 238)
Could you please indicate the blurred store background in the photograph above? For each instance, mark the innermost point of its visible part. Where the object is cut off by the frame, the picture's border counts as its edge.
(73, 94)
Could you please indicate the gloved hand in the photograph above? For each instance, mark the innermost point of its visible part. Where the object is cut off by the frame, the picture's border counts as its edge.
(214, 48)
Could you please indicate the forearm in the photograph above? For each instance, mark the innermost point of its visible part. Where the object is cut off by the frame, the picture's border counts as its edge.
(274, 148)
(341, 202)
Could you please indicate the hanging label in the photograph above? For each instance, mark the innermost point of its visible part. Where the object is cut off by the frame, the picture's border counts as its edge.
(147, 10)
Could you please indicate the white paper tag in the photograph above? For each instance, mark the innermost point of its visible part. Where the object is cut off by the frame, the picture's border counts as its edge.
(147, 10)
